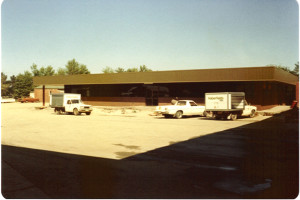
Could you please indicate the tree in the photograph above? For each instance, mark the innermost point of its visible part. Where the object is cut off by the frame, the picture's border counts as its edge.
(34, 69)
(23, 85)
(4, 85)
(48, 71)
(287, 69)
(73, 67)
(134, 69)
(108, 70)
(7, 86)
(83, 69)
(143, 68)
(12, 85)
(120, 70)
(61, 71)
(296, 69)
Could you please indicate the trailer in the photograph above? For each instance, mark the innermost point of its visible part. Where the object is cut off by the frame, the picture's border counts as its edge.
(228, 105)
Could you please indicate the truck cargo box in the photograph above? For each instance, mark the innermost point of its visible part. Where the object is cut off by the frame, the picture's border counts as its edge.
(60, 99)
(225, 101)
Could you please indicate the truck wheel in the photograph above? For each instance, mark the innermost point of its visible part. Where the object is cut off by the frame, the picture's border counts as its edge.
(233, 116)
(204, 114)
(88, 113)
(57, 111)
(216, 116)
(178, 114)
(76, 112)
(252, 114)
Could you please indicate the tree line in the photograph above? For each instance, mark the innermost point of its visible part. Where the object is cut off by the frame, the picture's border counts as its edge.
(22, 84)
(142, 68)
(294, 71)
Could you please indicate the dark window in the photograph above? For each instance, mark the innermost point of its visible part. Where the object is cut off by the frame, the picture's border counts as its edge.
(181, 103)
(107, 90)
(193, 104)
(75, 101)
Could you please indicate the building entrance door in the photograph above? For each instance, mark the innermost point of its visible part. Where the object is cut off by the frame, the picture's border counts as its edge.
(151, 95)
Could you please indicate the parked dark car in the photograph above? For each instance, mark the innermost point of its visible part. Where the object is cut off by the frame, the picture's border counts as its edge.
(28, 99)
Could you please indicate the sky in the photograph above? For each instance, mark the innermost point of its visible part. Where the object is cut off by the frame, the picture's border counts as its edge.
(161, 34)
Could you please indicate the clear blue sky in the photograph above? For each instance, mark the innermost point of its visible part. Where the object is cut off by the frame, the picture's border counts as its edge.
(161, 34)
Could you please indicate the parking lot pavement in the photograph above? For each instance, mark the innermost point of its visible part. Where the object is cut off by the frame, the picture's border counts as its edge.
(134, 155)
(14, 185)
(105, 133)
(274, 110)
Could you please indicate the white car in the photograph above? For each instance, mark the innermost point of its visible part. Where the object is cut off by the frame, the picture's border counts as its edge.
(181, 108)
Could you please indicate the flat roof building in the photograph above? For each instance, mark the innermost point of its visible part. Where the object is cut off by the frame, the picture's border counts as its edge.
(263, 86)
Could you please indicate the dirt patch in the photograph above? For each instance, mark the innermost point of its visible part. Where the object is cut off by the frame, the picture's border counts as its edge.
(129, 146)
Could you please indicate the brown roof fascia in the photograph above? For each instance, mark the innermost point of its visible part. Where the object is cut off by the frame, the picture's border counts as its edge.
(199, 75)
(284, 76)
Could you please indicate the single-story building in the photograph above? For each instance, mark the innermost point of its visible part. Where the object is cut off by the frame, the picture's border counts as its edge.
(49, 89)
(264, 86)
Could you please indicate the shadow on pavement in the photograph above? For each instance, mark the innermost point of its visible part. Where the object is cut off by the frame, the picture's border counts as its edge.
(258, 160)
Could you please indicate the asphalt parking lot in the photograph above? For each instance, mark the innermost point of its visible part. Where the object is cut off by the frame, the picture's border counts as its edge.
(108, 132)
(127, 153)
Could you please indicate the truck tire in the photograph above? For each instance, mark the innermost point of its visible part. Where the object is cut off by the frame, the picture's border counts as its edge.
(252, 114)
(178, 114)
(76, 112)
(57, 111)
(216, 116)
(88, 113)
(233, 116)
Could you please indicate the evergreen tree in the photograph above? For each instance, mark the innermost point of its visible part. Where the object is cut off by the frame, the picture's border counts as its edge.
(23, 85)
(73, 67)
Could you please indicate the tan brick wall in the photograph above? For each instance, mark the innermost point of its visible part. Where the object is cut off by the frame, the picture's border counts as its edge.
(38, 93)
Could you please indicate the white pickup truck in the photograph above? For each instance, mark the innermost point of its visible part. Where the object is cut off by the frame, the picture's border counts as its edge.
(181, 108)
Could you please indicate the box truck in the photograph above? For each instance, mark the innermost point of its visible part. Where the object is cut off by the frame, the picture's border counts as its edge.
(228, 105)
(69, 103)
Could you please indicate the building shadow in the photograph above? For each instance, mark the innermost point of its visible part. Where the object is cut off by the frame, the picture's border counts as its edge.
(258, 160)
